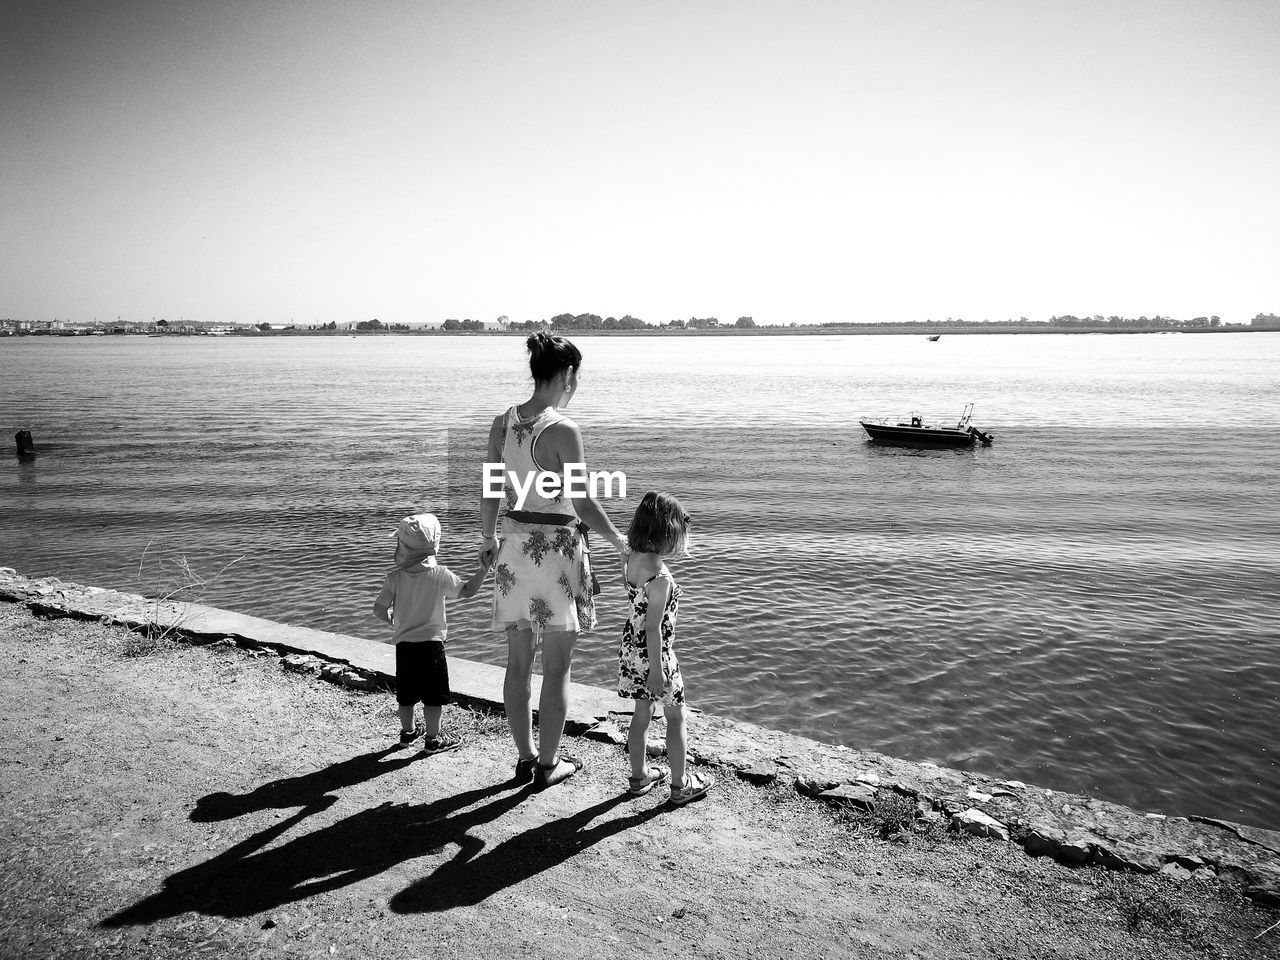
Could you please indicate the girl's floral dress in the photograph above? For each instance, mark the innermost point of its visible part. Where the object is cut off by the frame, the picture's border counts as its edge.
(633, 654)
(542, 575)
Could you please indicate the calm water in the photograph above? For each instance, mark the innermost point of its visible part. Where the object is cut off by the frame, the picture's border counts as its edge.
(1088, 604)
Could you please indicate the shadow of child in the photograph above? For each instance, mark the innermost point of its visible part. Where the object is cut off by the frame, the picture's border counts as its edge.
(469, 877)
(307, 790)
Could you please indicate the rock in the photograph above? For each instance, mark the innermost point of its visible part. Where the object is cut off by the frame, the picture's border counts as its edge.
(1045, 841)
(1075, 849)
(759, 774)
(1266, 894)
(1118, 855)
(813, 787)
(607, 732)
(979, 796)
(976, 822)
(655, 748)
(868, 777)
(1267, 839)
(856, 795)
(1176, 871)
(300, 663)
(357, 680)
(1189, 861)
(332, 672)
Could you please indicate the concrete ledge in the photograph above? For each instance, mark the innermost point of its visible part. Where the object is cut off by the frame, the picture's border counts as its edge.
(1072, 829)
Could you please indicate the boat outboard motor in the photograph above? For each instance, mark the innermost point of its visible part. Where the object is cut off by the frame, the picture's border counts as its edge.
(986, 438)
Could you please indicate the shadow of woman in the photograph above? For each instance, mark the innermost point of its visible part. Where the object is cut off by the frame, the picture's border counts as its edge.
(247, 878)
(468, 879)
(311, 790)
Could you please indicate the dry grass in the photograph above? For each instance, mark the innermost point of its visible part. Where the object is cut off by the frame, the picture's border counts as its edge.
(173, 581)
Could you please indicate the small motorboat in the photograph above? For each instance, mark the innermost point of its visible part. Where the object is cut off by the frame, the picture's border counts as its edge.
(917, 433)
(934, 338)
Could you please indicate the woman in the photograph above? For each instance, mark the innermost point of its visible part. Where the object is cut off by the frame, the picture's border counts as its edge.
(542, 585)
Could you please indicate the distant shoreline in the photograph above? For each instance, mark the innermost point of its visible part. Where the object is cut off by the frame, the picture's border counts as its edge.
(870, 329)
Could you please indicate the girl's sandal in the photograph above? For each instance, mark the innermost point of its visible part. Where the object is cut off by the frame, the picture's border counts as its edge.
(695, 786)
(639, 786)
(558, 772)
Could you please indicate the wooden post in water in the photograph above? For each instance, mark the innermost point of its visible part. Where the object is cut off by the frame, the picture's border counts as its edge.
(26, 446)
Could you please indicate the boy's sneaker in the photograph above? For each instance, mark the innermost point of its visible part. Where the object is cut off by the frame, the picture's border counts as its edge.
(441, 744)
(695, 786)
(412, 736)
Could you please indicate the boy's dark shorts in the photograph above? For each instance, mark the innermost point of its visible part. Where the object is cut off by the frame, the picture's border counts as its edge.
(422, 674)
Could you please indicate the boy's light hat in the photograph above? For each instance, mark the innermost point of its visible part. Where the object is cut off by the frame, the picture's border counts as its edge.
(419, 532)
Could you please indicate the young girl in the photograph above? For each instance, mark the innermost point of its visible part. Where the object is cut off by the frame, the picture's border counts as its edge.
(647, 667)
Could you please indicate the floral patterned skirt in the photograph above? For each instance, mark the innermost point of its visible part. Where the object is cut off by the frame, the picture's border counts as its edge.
(542, 579)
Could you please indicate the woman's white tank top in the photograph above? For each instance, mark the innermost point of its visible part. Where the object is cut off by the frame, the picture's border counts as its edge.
(518, 439)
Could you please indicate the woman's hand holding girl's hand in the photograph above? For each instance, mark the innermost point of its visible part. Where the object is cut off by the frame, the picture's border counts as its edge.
(655, 683)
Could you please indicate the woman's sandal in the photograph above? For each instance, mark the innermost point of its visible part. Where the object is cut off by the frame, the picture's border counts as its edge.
(525, 768)
(639, 786)
(558, 772)
(695, 786)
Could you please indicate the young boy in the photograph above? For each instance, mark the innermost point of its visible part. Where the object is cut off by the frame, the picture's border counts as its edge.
(412, 601)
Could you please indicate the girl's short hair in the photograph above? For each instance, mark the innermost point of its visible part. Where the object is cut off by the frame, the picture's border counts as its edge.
(660, 525)
(549, 355)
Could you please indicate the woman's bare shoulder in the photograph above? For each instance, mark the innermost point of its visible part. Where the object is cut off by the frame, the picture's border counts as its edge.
(563, 435)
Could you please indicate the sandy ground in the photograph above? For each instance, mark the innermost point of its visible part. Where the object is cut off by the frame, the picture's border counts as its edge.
(182, 801)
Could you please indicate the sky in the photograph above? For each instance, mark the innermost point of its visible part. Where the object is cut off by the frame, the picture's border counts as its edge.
(802, 161)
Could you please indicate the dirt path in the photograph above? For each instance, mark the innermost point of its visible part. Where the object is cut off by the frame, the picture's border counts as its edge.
(198, 801)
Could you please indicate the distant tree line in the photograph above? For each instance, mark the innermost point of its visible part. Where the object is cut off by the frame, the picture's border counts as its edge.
(1066, 320)
(593, 321)
(1144, 322)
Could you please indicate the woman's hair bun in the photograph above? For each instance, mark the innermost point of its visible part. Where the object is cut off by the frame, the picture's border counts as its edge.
(549, 355)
